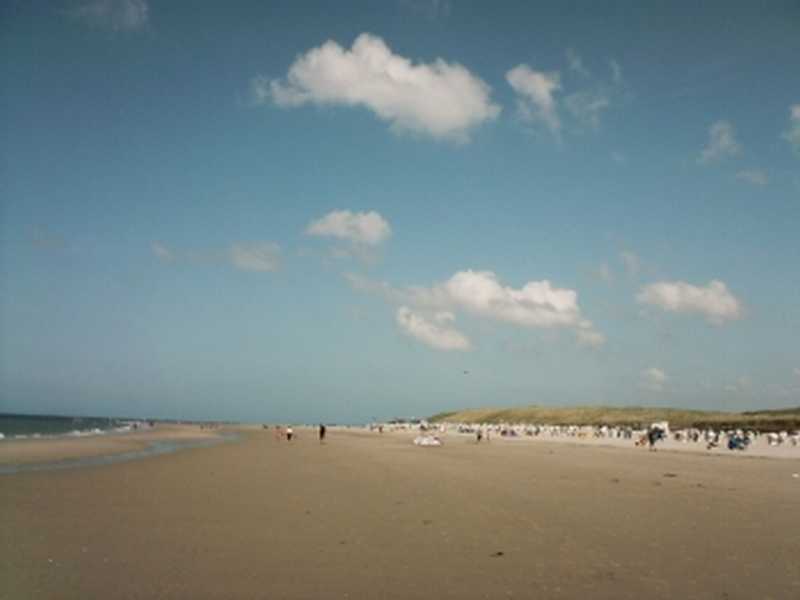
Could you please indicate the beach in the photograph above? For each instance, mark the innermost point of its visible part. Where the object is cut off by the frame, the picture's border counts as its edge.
(369, 515)
(62, 448)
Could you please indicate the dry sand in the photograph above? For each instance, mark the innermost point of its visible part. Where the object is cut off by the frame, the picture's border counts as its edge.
(372, 516)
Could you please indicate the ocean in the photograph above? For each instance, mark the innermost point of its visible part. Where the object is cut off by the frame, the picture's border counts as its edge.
(27, 426)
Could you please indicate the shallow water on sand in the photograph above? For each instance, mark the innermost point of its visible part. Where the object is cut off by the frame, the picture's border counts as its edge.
(155, 448)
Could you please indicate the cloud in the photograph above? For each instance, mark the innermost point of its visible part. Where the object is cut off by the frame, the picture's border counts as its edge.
(536, 95)
(116, 15)
(576, 63)
(590, 338)
(714, 301)
(367, 228)
(721, 143)
(255, 256)
(753, 176)
(619, 158)
(792, 135)
(586, 107)
(653, 379)
(245, 256)
(631, 262)
(537, 304)
(440, 99)
(539, 100)
(435, 334)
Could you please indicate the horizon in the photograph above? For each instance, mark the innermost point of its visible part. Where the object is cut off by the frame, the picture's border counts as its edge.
(249, 213)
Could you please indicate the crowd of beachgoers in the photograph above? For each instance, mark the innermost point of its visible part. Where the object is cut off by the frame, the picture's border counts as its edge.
(431, 434)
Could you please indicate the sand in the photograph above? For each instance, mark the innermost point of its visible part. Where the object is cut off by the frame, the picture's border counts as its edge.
(32, 450)
(372, 516)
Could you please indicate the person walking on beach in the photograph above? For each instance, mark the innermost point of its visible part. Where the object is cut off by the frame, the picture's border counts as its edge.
(478, 435)
(653, 435)
(289, 433)
(322, 431)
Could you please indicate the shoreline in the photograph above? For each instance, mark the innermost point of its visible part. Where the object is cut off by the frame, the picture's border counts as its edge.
(63, 452)
(24, 454)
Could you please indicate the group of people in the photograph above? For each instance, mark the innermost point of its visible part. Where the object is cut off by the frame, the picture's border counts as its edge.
(283, 434)
(650, 437)
(288, 433)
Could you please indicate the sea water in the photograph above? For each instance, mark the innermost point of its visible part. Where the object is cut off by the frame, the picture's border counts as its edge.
(14, 426)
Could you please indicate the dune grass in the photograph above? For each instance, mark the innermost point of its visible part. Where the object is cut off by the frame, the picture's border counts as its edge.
(636, 416)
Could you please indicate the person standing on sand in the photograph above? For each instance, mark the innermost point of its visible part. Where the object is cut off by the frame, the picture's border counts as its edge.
(653, 435)
(322, 431)
(289, 433)
(478, 435)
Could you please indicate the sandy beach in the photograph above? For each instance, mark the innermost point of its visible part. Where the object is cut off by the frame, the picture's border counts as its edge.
(63, 448)
(372, 516)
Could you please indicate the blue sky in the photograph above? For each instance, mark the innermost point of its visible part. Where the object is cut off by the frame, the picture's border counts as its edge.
(293, 211)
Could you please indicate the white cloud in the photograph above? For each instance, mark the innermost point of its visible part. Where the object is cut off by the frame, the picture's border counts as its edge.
(536, 95)
(255, 256)
(117, 15)
(792, 135)
(161, 251)
(714, 301)
(586, 107)
(653, 379)
(440, 99)
(537, 304)
(367, 228)
(435, 334)
(796, 371)
(539, 100)
(631, 262)
(721, 143)
(619, 158)
(753, 176)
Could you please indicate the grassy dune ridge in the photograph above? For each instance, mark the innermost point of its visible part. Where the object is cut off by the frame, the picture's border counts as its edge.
(765, 420)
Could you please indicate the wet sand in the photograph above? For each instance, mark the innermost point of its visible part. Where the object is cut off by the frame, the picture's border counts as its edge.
(46, 450)
(372, 516)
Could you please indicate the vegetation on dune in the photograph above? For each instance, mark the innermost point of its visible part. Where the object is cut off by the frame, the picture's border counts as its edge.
(636, 416)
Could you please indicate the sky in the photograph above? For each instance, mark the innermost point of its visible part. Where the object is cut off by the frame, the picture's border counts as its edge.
(315, 211)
